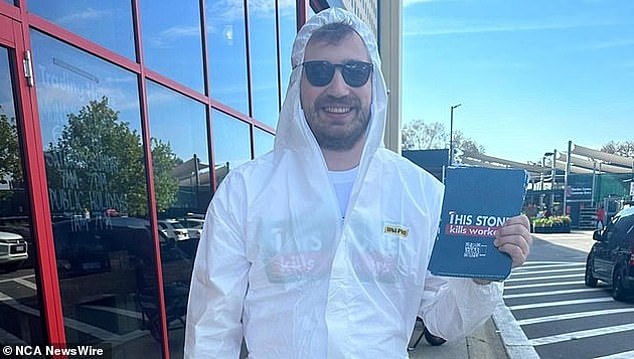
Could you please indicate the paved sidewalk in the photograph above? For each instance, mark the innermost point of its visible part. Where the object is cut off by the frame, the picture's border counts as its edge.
(576, 239)
(484, 343)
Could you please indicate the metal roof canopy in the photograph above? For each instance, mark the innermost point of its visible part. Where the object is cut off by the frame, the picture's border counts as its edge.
(489, 161)
(604, 156)
(590, 164)
(583, 160)
(609, 162)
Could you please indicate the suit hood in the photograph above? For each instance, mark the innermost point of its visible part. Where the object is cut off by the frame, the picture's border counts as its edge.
(293, 132)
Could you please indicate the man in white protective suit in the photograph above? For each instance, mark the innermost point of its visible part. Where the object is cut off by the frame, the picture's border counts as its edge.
(319, 249)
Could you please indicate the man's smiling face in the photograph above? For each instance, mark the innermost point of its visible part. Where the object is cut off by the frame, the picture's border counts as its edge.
(337, 113)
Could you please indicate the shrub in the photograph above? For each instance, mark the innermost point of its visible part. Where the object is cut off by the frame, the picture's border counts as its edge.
(553, 221)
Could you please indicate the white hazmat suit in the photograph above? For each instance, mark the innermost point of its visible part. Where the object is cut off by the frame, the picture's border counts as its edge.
(278, 265)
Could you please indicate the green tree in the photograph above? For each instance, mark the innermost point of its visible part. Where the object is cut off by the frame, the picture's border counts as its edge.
(98, 163)
(419, 135)
(165, 186)
(467, 145)
(10, 166)
(625, 148)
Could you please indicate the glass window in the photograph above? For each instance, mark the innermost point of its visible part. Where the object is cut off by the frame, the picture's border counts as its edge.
(89, 18)
(227, 54)
(263, 41)
(172, 42)
(232, 145)
(288, 26)
(182, 187)
(89, 113)
(20, 306)
(263, 142)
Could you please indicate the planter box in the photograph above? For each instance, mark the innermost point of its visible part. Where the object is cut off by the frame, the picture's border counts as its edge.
(554, 229)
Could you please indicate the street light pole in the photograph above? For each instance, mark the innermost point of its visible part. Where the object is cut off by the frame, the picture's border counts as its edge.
(451, 134)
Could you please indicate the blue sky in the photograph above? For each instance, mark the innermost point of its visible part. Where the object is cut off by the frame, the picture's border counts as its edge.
(530, 75)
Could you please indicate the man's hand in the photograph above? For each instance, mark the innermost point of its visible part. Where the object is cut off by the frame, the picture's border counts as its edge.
(514, 238)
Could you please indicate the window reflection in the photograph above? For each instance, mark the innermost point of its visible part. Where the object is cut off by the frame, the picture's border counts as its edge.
(227, 53)
(263, 43)
(89, 115)
(288, 26)
(89, 18)
(172, 42)
(21, 323)
(182, 186)
(179, 147)
(232, 145)
(263, 142)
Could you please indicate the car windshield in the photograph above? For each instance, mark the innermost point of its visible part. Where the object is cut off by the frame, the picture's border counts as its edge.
(177, 225)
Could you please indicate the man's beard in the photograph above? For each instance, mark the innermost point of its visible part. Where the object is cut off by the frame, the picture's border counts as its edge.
(337, 139)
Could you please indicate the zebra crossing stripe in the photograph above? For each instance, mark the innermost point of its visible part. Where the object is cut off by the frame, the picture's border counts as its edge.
(553, 318)
(526, 273)
(554, 292)
(512, 280)
(623, 355)
(552, 284)
(561, 303)
(581, 334)
(534, 263)
(538, 285)
(528, 268)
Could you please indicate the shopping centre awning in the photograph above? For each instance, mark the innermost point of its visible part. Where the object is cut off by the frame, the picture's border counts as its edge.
(591, 164)
(602, 161)
(534, 170)
(583, 160)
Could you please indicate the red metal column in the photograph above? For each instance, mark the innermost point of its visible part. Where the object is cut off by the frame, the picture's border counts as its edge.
(42, 232)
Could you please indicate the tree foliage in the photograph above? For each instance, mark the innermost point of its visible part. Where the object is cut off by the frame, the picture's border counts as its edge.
(10, 166)
(625, 149)
(163, 161)
(98, 164)
(419, 135)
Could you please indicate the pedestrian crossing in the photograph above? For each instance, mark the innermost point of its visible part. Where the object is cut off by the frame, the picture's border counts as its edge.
(559, 317)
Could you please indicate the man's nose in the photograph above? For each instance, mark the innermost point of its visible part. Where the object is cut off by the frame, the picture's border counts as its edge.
(338, 86)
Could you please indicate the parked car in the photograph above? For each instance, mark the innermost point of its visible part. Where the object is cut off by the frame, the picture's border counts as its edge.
(194, 226)
(611, 258)
(171, 228)
(13, 251)
(120, 243)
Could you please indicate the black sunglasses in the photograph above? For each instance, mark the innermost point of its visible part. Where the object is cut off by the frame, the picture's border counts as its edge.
(320, 73)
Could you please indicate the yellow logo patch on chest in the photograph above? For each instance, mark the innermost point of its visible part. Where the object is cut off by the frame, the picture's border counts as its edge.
(396, 230)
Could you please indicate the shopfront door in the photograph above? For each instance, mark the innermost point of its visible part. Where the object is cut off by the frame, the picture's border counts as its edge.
(21, 314)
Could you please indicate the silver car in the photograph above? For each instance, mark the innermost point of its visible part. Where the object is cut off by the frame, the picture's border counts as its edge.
(13, 251)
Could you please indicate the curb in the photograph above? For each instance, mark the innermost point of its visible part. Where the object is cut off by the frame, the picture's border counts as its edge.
(486, 342)
(514, 340)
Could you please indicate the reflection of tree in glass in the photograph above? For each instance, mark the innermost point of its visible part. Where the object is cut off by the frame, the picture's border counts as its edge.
(97, 164)
(165, 186)
(10, 167)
